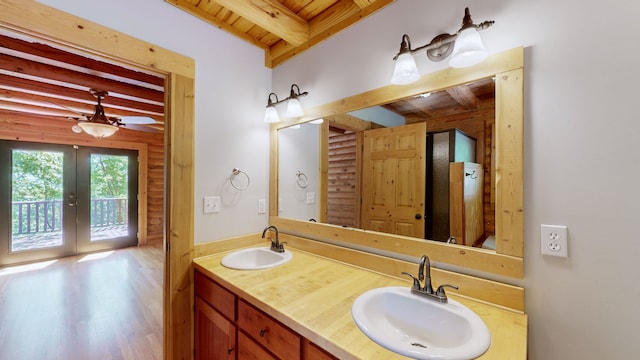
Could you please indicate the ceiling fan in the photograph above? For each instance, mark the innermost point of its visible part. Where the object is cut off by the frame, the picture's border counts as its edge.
(100, 126)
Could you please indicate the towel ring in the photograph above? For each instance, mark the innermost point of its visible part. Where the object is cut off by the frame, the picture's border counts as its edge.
(302, 180)
(235, 172)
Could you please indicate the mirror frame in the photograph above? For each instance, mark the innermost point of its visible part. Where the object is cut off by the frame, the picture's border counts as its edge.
(507, 260)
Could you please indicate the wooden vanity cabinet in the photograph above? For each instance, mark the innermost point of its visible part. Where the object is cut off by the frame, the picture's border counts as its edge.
(227, 326)
(215, 330)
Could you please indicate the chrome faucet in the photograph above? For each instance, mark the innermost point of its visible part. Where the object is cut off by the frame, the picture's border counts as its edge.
(276, 245)
(424, 274)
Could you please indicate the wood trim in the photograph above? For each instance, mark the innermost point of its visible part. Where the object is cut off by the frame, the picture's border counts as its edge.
(324, 170)
(179, 224)
(273, 171)
(509, 167)
(396, 246)
(218, 246)
(34, 19)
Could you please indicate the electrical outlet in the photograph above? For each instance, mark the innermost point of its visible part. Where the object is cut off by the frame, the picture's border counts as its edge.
(553, 240)
(262, 206)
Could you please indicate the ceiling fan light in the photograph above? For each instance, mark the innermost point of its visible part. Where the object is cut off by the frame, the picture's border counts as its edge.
(294, 109)
(271, 115)
(468, 49)
(98, 130)
(405, 71)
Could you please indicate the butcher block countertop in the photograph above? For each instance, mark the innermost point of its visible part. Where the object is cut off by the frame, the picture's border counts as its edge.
(313, 296)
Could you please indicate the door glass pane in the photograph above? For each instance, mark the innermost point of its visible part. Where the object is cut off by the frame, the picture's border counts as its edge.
(109, 196)
(36, 199)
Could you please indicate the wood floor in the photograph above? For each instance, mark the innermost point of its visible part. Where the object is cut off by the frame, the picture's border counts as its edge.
(98, 306)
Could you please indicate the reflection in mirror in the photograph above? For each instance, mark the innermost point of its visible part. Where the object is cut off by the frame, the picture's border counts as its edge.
(424, 170)
(298, 171)
(503, 142)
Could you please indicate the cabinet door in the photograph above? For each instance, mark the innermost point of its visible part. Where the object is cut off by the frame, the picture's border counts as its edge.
(313, 352)
(249, 350)
(215, 336)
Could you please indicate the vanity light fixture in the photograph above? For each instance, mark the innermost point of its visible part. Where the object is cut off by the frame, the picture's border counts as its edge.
(465, 47)
(294, 109)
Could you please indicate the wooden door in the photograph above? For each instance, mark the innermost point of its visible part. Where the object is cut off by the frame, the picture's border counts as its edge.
(393, 180)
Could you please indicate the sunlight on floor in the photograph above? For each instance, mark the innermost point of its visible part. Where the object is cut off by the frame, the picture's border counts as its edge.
(24, 268)
(96, 256)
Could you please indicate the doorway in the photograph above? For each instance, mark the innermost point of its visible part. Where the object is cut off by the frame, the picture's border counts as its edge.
(61, 200)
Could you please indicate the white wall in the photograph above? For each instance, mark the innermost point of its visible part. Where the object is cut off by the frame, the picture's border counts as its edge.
(230, 95)
(292, 197)
(582, 161)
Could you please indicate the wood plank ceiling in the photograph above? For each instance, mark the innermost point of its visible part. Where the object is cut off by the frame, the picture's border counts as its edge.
(460, 100)
(283, 28)
(44, 80)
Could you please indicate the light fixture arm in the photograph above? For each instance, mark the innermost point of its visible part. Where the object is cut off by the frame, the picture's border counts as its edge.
(272, 103)
(441, 46)
(294, 93)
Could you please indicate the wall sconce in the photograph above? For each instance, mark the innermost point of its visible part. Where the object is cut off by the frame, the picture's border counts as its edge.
(465, 48)
(293, 105)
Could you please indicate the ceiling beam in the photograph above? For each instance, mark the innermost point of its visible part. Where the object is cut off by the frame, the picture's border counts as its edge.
(272, 16)
(465, 97)
(363, 3)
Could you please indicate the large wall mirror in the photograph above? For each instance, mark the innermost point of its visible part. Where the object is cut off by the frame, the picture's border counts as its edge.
(434, 167)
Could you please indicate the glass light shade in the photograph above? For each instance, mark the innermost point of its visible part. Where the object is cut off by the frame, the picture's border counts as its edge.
(271, 115)
(98, 130)
(468, 49)
(294, 109)
(405, 70)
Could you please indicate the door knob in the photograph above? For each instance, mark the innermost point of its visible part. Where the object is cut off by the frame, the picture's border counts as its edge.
(418, 216)
(72, 200)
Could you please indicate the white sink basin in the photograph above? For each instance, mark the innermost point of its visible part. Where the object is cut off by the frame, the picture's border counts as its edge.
(255, 259)
(420, 328)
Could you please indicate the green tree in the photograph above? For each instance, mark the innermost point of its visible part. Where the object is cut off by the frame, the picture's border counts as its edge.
(37, 175)
(109, 176)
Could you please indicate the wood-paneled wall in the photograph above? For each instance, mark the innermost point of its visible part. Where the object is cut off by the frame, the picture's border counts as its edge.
(44, 129)
(343, 199)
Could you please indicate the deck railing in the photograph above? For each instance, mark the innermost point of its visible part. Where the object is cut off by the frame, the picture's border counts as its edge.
(33, 217)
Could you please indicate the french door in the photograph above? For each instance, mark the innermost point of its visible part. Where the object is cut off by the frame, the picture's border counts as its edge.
(59, 200)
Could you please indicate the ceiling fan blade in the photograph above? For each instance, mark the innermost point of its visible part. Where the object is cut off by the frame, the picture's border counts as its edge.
(84, 116)
(136, 120)
(139, 127)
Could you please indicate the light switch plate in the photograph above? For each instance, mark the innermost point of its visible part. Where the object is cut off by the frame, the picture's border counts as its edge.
(211, 204)
(311, 197)
(262, 206)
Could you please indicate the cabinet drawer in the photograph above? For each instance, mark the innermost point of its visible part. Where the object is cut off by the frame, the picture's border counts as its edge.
(279, 339)
(215, 295)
